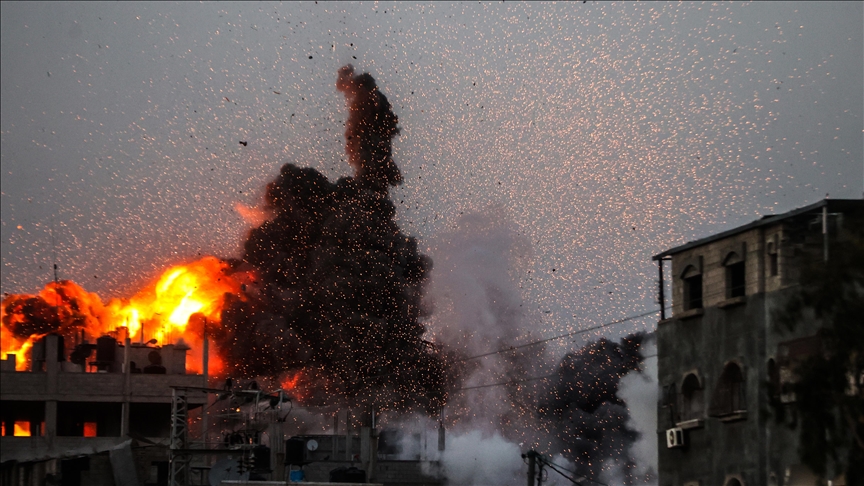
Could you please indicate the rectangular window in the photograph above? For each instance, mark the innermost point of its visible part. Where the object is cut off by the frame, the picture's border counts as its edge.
(91, 429)
(150, 419)
(22, 418)
(693, 292)
(772, 264)
(89, 419)
(735, 281)
(22, 429)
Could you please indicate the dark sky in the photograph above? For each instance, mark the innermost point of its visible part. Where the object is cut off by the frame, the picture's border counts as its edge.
(601, 132)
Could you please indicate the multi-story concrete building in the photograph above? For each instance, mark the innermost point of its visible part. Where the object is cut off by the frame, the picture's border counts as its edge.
(723, 361)
(92, 415)
(68, 422)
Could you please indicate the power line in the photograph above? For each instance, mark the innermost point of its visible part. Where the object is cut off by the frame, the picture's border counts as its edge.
(552, 467)
(511, 382)
(556, 467)
(516, 382)
(561, 336)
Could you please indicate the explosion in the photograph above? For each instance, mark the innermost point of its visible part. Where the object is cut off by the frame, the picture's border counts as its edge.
(326, 298)
(326, 301)
(340, 286)
(173, 307)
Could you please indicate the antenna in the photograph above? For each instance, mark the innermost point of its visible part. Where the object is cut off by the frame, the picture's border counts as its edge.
(54, 250)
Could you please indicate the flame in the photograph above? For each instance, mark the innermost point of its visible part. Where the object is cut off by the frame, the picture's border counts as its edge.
(22, 428)
(90, 429)
(175, 308)
(291, 383)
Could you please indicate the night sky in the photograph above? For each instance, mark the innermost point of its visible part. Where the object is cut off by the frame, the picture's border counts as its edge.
(597, 133)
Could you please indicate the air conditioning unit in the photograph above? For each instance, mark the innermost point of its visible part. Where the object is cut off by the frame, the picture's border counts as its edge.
(674, 437)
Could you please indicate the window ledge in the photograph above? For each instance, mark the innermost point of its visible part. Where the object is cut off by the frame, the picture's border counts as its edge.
(691, 424)
(665, 321)
(733, 301)
(689, 314)
(734, 416)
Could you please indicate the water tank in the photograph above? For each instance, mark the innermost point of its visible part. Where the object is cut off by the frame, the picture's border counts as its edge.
(155, 367)
(37, 352)
(106, 350)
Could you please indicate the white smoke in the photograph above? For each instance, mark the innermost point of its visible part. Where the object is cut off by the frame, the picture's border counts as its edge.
(640, 390)
(478, 460)
(477, 304)
(477, 308)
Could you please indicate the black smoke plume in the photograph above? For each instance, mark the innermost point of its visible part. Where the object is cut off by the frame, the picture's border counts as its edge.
(338, 297)
(582, 407)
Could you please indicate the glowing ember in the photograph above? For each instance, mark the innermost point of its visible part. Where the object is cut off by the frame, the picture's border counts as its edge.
(174, 308)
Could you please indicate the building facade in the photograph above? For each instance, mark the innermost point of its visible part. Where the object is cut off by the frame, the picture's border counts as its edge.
(724, 364)
(92, 419)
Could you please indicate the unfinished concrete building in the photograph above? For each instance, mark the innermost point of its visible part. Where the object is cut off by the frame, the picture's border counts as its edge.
(73, 419)
(93, 414)
(723, 362)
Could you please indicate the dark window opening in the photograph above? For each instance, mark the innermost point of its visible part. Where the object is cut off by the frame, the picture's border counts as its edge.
(20, 418)
(735, 280)
(692, 404)
(71, 469)
(729, 395)
(733, 482)
(772, 264)
(670, 402)
(89, 419)
(150, 419)
(693, 292)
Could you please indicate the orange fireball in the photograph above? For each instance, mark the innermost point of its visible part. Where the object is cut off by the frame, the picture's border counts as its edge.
(173, 309)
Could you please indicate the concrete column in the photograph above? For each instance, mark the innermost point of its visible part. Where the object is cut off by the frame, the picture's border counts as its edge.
(127, 387)
(50, 423)
(365, 436)
(52, 366)
(348, 435)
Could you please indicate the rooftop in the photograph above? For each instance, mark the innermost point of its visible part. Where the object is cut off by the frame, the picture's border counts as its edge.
(833, 205)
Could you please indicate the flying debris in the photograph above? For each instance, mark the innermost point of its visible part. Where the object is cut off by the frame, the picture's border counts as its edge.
(339, 292)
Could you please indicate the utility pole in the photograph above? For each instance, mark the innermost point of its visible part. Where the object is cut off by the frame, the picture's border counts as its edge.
(533, 472)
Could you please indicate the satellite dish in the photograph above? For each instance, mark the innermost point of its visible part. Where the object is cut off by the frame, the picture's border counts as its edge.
(226, 470)
(312, 445)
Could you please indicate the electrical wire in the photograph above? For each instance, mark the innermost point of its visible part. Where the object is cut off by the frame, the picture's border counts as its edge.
(555, 467)
(561, 336)
(562, 474)
(511, 382)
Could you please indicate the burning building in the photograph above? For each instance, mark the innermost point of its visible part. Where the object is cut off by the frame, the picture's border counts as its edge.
(324, 301)
(324, 308)
(77, 415)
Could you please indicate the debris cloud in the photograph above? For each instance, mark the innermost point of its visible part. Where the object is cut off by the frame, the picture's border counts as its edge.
(339, 291)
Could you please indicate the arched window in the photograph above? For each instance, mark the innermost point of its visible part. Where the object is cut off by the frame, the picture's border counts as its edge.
(735, 275)
(728, 397)
(692, 406)
(692, 279)
(733, 482)
(772, 259)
